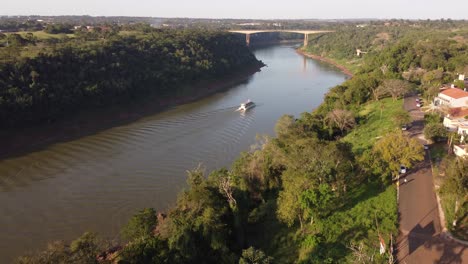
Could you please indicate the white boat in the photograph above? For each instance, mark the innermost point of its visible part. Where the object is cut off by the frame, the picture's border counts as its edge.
(245, 106)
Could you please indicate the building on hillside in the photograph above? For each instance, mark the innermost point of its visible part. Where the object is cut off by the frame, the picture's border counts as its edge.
(461, 77)
(461, 151)
(463, 130)
(455, 117)
(452, 97)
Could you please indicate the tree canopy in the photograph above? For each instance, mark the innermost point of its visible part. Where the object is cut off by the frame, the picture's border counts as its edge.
(396, 149)
(76, 75)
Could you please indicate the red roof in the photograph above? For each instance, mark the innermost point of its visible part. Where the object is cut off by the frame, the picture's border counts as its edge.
(458, 112)
(455, 93)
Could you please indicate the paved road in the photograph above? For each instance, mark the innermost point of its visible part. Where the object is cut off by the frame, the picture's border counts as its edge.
(420, 239)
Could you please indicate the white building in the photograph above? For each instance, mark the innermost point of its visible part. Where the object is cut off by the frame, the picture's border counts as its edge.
(455, 118)
(463, 129)
(452, 97)
(461, 150)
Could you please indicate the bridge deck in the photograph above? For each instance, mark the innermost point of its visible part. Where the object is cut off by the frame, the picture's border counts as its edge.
(280, 30)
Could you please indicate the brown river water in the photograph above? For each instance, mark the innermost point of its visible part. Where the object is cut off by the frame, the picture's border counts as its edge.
(95, 183)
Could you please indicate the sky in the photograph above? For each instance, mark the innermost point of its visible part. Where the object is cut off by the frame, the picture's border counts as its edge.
(255, 9)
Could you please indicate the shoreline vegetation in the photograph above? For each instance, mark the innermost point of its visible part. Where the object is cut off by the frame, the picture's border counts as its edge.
(330, 61)
(154, 224)
(81, 86)
(19, 141)
(321, 190)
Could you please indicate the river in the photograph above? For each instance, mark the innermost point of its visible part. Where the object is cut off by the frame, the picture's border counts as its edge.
(95, 183)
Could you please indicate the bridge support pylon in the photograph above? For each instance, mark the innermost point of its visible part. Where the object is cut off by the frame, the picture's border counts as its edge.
(306, 39)
(247, 39)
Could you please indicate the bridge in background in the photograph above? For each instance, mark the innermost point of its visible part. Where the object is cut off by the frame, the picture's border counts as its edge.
(306, 33)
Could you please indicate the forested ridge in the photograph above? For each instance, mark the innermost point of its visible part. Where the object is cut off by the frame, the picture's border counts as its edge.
(74, 75)
(321, 190)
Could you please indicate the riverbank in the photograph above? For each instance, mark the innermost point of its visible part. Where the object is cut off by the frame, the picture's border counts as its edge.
(96, 183)
(326, 60)
(16, 142)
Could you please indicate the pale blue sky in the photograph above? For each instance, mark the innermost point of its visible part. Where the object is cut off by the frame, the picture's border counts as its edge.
(263, 9)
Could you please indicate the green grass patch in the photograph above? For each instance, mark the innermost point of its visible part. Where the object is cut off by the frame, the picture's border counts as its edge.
(44, 35)
(351, 65)
(376, 121)
(448, 205)
(448, 202)
(41, 35)
(370, 211)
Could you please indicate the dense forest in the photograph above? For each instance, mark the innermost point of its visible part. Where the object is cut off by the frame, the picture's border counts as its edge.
(31, 23)
(321, 190)
(81, 73)
(425, 56)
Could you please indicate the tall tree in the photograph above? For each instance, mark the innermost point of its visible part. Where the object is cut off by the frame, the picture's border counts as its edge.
(342, 119)
(254, 256)
(396, 149)
(141, 225)
(401, 117)
(317, 201)
(283, 125)
(393, 87)
(435, 131)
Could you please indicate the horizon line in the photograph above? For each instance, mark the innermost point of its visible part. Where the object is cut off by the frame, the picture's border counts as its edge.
(230, 18)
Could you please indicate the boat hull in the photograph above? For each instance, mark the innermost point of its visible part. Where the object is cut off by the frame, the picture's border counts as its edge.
(245, 107)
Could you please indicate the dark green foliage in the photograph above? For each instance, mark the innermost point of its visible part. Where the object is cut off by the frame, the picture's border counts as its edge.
(401, 118)
(147, 250)
(302, 197)
(454, 191)
(368, 213)
(435, 131)
(408, 49)
(432, 118)
(352, 93)
(344, 42)
(396, 149)
(140, 225)
(13, 25)
(311, 163)
(79, 76)
(199, 226)
(56, 252)
(431, 55)
(58, 29)
(459, 83)
(254, 256)
(85, 249)
(317, 202)
(457, 178)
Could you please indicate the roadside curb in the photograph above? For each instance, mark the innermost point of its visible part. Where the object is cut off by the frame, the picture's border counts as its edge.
(448, 236)
(445, 234)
